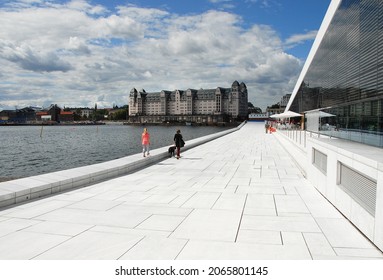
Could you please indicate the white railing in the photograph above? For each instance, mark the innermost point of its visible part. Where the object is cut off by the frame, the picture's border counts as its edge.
(300, 136)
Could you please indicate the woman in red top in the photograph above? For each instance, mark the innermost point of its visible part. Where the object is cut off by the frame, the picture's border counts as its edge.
(145, 140)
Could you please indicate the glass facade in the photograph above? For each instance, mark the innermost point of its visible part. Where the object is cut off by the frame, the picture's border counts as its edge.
(344, 82)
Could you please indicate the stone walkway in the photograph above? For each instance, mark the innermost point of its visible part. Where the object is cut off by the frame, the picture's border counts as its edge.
(238, 197)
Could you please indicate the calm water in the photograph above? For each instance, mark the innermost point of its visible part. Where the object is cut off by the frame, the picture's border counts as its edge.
(24, 153)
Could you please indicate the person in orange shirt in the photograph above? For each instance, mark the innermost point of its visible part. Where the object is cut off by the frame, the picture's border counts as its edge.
(145, 140)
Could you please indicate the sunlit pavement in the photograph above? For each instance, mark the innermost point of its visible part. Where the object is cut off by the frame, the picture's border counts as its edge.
(237, 197)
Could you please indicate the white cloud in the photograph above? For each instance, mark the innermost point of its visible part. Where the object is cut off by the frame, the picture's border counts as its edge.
(30, 59)
(300, 38)
(84, 6)
(76, 54)
(219, 1)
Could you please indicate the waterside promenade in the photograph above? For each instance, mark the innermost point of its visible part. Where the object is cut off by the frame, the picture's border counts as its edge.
(240, 196)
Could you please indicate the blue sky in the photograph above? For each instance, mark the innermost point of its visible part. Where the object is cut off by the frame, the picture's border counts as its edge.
(78, 53)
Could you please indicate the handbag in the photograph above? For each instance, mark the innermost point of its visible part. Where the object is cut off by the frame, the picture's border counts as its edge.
(182, 143)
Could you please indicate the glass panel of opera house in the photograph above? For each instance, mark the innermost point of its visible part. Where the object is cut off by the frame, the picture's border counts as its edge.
(344, 82)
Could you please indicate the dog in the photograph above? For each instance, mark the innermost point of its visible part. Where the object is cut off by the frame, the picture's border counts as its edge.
(171, 151)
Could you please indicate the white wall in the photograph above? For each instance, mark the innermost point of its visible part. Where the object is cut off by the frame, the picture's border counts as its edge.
(364, 159)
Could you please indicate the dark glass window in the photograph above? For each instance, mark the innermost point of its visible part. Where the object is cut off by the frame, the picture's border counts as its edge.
(345, 77)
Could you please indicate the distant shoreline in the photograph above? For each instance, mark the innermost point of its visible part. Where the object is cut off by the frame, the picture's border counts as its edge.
(120, 123)
(49, 124)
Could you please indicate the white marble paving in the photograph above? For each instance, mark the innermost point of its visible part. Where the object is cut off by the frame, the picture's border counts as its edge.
(292, 238)
(91, 246)
(155, 248)
(236, 197)
(357, 252)
(160, 198)
(318, 244)
(12, 225)
(280, 223)
(38, 209)
(259, 237)
(209, 225)
(290, 204)
(202, 200)
(94, 204)
(341, 233)
(230, 202)
(218, 250)
(22, 245)
(128, 231)
(116, 218)
(58, 228)
(161, 222)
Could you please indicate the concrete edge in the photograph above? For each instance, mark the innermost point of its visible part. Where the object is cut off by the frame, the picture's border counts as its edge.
(25, 189)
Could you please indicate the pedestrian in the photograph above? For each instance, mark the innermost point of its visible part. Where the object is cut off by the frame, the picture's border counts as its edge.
(267, 127)
(145, 140)
(179, 142)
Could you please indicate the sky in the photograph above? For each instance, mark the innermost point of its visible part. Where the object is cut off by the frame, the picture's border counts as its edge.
(78, 53)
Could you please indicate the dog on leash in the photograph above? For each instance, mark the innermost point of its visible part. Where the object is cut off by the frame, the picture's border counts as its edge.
(171, 151)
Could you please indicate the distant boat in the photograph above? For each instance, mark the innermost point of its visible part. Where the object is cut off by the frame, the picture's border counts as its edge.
(188, 123)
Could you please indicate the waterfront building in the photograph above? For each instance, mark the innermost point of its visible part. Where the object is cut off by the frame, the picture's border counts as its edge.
(279, 107)
(19, 116)
(284, 100)
(43, 117)
(85, 112)
(191, 105)
(66, 116)
(275, 109)
(340, 92)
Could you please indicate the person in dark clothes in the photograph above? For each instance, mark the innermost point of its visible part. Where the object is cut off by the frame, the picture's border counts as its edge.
(179, 142)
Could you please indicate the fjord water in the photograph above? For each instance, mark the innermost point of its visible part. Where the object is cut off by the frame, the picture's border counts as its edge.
(32, 150)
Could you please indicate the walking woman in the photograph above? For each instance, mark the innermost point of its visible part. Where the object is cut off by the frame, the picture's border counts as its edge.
(145, 139)
(179, 142)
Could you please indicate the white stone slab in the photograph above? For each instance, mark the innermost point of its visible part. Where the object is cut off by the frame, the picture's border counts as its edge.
(155, 248)
(28, 245)
(129, 231)
(161, 222)
(67, 229)
(134, 197)
(94, 204)
(359, 253)
(318, 244)
(292, 238)
(259, 237)
(160, 198)
(260, 190)
(209, 225)
(202, 200)
(264, 201)
(213, 250)
(290, 204)
(296, 223)
(13, 225)
(230, 202)
(341, 233)
(91, 246)
(38, 209)
(88, 217)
